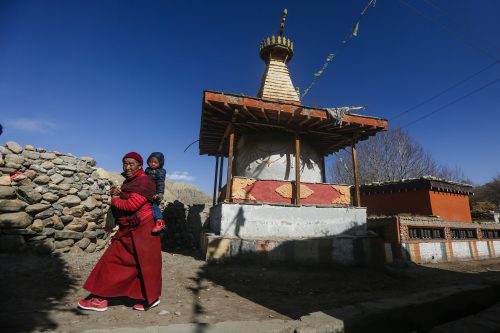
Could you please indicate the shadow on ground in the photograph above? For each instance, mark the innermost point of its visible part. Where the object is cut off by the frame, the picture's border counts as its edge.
(297, 290)
(31, 286)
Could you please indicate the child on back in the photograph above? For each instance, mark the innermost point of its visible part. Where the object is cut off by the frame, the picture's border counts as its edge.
(157, 173)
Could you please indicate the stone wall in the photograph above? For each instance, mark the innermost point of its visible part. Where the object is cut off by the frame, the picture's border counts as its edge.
(50, 201)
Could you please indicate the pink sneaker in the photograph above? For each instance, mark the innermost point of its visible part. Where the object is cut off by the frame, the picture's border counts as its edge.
(94, 304)
(141, 307)
(160, 225)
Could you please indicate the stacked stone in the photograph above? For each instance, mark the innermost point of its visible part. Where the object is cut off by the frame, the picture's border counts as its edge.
(50, 201)
(178, 235)
(184, 225)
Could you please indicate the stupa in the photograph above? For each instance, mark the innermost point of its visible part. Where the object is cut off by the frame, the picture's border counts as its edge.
(276, 191)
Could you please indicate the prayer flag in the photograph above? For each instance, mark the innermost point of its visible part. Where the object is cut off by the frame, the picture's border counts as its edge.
(355, 30)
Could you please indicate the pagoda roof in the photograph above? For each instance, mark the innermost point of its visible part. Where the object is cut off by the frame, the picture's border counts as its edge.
(253, 115)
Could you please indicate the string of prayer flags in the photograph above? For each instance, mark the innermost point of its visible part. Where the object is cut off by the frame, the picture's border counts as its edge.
(331, 56)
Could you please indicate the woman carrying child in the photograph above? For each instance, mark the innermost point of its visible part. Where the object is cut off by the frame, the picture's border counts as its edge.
(131, 266)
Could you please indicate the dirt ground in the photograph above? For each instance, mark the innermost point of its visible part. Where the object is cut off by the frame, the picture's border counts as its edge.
(40, 293)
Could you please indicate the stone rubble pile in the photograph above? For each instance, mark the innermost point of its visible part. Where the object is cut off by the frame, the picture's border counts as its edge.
(51, 201)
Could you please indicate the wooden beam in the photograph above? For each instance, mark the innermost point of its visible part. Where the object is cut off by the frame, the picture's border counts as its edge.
(221, 170)
(229, 182)
(264, 114)
(357, 198)
(228, 129)
(215, 180)
(258, 103)
(297, 169)
(304, 121)
(215, 108)
(247, 112)
(323, 169)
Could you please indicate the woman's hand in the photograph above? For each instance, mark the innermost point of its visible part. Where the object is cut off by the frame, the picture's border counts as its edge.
(115, 191)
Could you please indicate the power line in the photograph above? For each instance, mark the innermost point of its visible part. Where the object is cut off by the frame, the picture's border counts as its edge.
(457, 20)
(446, 90)
(452, 102)
(450, 31)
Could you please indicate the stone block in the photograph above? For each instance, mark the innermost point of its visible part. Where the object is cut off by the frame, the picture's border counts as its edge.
(69, 167)
(100, 244)
(78, 224)
(83, 243)
(76, 211)
(14, 147)
(50, 197)
(54, 222)
(68, 159)
(67, 234)
(29, 194)
(42, 180)
(47, 156)
(38, 168)
(18, 220)
(83, 194)
(31, 174)
(37, 208)
(90, 203)
(5, 181)
(56, 178)
(67, 219)
(48, 232)
(45, 214)
(37, 225)
(89, 160)
(90, 234)
(91, 248)
(7, 192)
(31, 154)
(69, 201)
(10, 206)
(14, 159)
(63, 243)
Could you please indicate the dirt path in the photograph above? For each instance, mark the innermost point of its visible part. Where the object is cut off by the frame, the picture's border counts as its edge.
(40, 293)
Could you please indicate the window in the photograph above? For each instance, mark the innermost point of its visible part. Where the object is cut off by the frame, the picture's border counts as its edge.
(426, 233)
(463, 233)
(488, 233)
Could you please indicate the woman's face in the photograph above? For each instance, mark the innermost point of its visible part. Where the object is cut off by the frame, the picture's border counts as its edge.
(130, 166)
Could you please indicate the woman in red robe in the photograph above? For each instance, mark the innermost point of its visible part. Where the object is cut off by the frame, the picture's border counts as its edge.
(131, 266)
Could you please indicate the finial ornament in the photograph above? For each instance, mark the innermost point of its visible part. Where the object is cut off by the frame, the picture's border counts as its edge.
(283, 20)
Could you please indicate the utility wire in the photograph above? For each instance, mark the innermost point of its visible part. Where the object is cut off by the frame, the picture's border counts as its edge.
(448, 30)
(457, 21)
(452, 102)
(446, 90)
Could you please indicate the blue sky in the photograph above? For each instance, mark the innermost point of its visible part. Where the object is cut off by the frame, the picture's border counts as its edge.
(100, 78)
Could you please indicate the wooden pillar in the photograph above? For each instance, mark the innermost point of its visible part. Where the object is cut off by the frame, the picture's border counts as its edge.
(214, 200)
(323, 169)
(229, 182)
(357, 198)
(221, 170)
(297, 169)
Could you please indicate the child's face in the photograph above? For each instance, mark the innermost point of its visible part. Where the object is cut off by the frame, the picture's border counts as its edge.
(154, 163)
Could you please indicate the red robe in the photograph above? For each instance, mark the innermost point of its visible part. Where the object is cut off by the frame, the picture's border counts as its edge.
(131, 266)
